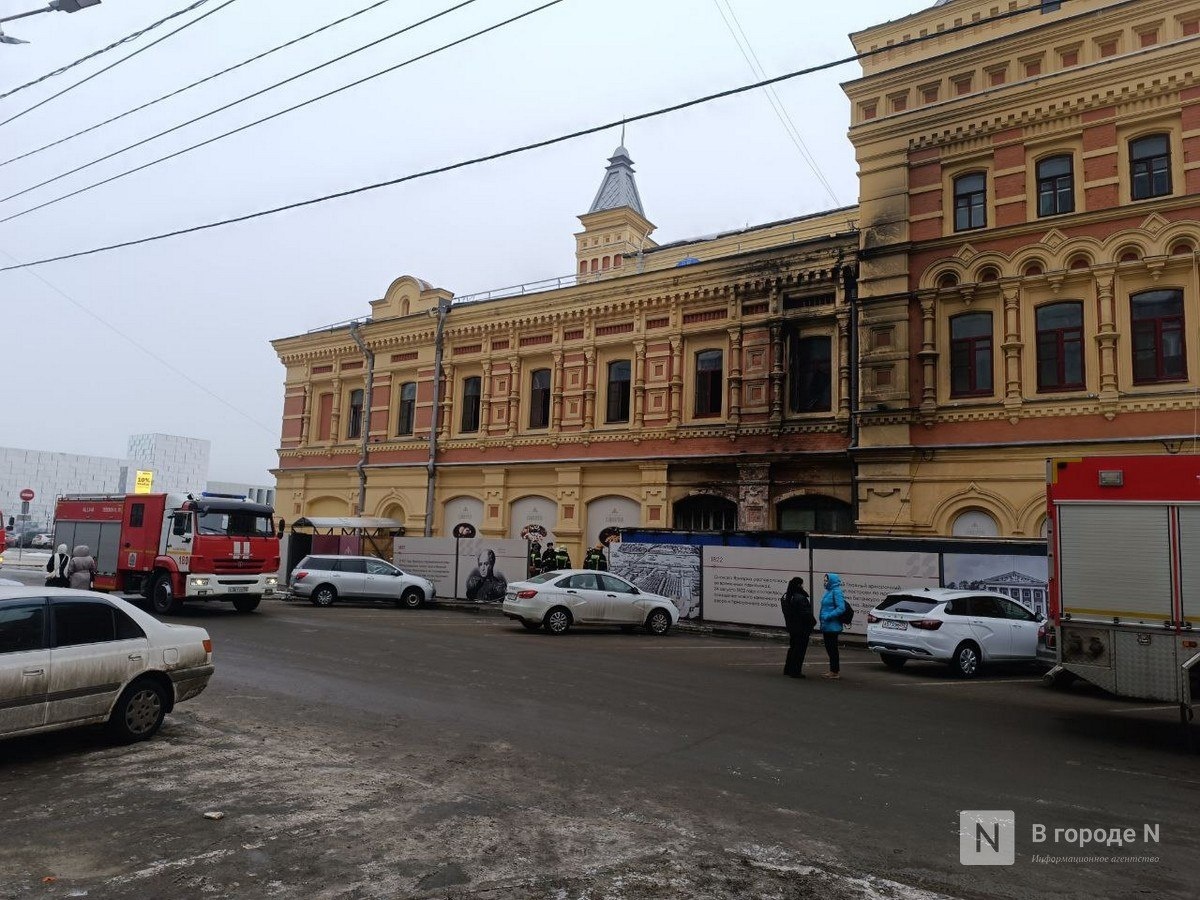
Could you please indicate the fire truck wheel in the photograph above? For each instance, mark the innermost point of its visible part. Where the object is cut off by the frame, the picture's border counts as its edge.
(246, 604)
(163, 598)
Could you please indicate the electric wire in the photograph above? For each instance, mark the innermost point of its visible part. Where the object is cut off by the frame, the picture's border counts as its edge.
(112, 66)
(157, 357)
(237, 102)
(201, 81)
(536, 145)
(785, 119)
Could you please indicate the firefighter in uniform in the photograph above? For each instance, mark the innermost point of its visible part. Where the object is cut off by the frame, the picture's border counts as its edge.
(564, 559)
(549, 558)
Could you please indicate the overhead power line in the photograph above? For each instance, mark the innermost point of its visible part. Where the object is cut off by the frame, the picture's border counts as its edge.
(243, 99)
(126, 58)
(204, 80)
(548, 142)
(785, 119)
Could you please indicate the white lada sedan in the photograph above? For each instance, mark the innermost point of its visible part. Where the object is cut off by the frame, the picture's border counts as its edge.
(558, 600)
(70, 658)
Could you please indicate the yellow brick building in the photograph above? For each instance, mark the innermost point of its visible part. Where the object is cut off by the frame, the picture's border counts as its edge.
(1019, 281)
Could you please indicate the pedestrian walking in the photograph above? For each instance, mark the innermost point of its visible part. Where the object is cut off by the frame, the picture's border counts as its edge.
(56, 567)
(833, 608)
(82, 568)
(798, 617)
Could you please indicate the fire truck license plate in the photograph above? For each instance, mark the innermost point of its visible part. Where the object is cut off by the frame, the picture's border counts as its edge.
(238, 590)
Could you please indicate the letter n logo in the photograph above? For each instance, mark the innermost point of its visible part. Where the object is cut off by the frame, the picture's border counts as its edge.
(987, 837)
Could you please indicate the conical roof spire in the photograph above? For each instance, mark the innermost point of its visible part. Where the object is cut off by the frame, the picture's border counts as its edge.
(619, 187)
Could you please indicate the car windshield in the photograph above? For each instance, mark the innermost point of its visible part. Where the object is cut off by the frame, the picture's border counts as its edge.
(235, 524)
(904, 603)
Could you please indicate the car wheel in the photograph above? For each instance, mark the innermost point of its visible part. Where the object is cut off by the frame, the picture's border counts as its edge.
(966, 660)
(557, 621)
(246, 604)
(412, 598)
(139, 712)
(531, 626)
(162, 597)
(658, 622)
(892, 661)
(325, 595)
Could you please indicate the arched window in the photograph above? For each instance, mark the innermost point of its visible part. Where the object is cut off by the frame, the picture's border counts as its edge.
(354, 417)
(618, 391)
(971, 355)
(817, 515)
(595, 265)
(408, 408)
(709, 383)
(1056, 185)
(472, 387)
(1150, 166)
(810, 370)
(1158, 337)
(583, 267)
(1060, 346)
(606, 263)
(705, 513)
(539, 398)
(974, 523)
(970, 201)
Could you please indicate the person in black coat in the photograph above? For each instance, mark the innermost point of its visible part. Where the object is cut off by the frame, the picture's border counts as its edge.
(549, 558)
(798, 617)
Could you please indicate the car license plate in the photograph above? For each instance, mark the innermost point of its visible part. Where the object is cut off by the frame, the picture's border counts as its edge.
(239, 590)
(899, 626)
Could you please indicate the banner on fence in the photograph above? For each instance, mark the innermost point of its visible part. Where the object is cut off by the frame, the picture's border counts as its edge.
(671, 570)
(476, 569)
(744, 584)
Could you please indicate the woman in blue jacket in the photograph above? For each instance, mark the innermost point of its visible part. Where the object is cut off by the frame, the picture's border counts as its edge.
(833, 604)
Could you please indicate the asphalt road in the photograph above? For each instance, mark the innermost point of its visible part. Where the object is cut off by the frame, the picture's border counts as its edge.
(372, 752)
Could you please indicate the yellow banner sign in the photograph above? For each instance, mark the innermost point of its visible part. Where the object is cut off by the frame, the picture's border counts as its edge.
(144, 483)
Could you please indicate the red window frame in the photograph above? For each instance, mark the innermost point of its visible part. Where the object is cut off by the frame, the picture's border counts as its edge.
(1156, 330)
(709, 381)
(965, 353)
(1059, 341)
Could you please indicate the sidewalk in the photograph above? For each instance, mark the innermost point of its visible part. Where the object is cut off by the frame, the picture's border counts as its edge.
(29, 559)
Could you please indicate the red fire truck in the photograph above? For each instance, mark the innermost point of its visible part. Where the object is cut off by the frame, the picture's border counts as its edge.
(175, 547)
(1125, 573)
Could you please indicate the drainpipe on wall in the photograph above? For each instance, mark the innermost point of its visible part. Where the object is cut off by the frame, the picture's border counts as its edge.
(365, 425)
(443, 310)
(850, 288)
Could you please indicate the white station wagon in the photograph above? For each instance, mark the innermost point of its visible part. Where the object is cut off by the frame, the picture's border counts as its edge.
(70, 658)
(557, 600)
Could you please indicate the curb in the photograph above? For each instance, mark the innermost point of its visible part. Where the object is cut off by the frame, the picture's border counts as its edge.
(713, 629)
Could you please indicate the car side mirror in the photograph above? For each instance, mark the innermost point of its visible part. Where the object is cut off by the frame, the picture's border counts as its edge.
(1041, 617)
(282, 525)
(635, 590)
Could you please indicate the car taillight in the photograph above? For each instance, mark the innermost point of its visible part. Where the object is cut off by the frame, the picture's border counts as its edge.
(526, 595)
(208, 645)
(871, 620)
(298, 576)
(927, 624)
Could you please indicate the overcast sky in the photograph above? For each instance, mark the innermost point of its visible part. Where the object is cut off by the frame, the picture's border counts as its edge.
(77, 373)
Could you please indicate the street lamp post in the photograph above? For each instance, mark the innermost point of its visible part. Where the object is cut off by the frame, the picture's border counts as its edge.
(67, 6)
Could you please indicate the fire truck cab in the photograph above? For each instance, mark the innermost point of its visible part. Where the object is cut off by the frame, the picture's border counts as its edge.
(175, 547)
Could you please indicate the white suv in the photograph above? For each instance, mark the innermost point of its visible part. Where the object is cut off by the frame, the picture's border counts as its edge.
(324, 580)
(71, 658)
(966, 629)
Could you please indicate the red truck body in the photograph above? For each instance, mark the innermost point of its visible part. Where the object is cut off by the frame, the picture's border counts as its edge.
(174, 547)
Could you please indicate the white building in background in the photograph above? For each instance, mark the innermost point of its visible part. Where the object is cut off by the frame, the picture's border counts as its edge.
(178, 463)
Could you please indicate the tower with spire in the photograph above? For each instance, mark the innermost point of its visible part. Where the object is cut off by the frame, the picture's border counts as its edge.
(616, 224)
